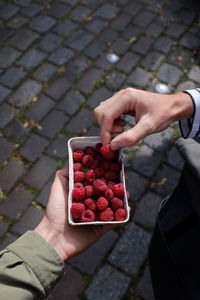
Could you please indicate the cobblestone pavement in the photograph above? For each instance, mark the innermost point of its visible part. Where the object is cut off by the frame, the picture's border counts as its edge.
(53, 72)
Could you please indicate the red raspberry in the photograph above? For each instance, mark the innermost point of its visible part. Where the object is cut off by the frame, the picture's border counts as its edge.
(116, 203)
(102, 203)
(90, 204)
(78, 185)
(85, 183)
(87, 160)
(78, 155)
(90, 176)
(99, 187)
(99, 172)
(99, 158)
(102, 179)
(88, 216)
(110, 175)
(118, 190)
(105, 164)
(98, 146)
(107, 152)
(106, 215)
(90, 150)
(78, 167)
(78, 194)
(94, 165)
(79, 176)
(77, 209)
(115, 166)
(120, 214)
(89, 191)
(109, 194)
(111, 184)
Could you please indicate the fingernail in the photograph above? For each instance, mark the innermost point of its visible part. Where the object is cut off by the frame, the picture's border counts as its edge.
(116, 146)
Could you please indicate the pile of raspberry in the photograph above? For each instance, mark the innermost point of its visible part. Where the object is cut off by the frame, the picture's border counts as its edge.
(97, 194)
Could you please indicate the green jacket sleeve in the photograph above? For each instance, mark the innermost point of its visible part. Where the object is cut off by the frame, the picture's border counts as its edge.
(29, 268)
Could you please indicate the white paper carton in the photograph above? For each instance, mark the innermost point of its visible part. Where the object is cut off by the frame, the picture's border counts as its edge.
(80, 143)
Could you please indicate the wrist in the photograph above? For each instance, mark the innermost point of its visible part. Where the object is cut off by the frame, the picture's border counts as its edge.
(183, 106)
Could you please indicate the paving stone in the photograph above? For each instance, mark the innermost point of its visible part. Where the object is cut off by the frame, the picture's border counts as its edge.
(8, 56)
(194, 74)
(142, 45)
(152, 61)
(31, 10)
(183, 58)
(5, 149)
(40, 108)
(187, 16)
(70, 286)
(32, 59)
(144, 287)
(3, 227)
(59, 147)
(58, 88)
(65, 28)
(93, 131)
(114, 80)
(4, 92)
(128, 61)
(120, 46)
(23, 39)
(165, 18)
(103, 63)
(12, 76)
(175, 29)
(99, 95)
(165, 180)
(44, 194)
(44, 72)
(18, 200)
(160, 141)
(108, 35)
(169, 74)
(10, 174)
(147, 210)
(95, 49)
(136, 185)
(96, 25)
(88, 261)
(61, 56)
(108, 284)
(25, 93)
(71, 2)
(121, 21)
(175, 159)
(190, 40)
(33, 147)
(155, 30)
(139, 77)
(186, 85)
(16, 131)
(88, 82)
(8, 11)
(76, 67)
(10, 238)
(80, 13)
(50, 42)
(42, 24)
(58, 10)
(144, 18)
(5, 33)
(23, 2)
(107, 11)
(163, 44)
(131, 31)
(81, 121)
(132, 8)
(130, 250)
(79, 40)
(71, 103)
(28, 221)
(46, 167)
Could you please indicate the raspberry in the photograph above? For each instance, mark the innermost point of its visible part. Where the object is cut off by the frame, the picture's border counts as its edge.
(90, 176)
(77, 209)
(78, 167)
(99, 187)
(85, 183)
(79, 176)
(78, 194)
(94, 165)
(120, 214)
(110, 175)
(102, 179)
(98, 146)
(102, 203)
(99, 172)
(105, 164)
(78, 185)
(78, 155)
(107, 152)
(90, 150)
(89, 191)
(88, 216)
(115, 166)
(87, 160)
(111, 184)
(106, 215)
(109, 194)
(118, 190)
(90, 204)
(116, 203)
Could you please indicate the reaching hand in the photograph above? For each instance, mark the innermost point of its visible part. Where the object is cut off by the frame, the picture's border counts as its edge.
(67, 240)
(153, 113)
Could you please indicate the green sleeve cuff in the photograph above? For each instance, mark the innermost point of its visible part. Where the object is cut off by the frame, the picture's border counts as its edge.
(40, 257)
